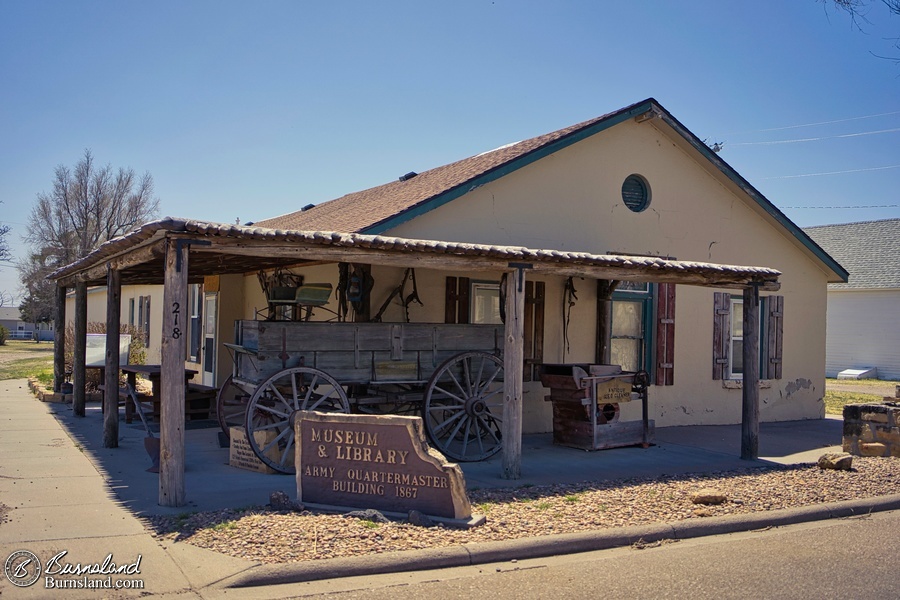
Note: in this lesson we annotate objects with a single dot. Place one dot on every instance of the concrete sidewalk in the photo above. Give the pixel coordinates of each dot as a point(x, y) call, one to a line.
point(59, 490)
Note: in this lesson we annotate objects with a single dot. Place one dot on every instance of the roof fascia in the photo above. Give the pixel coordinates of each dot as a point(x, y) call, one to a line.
point(755, 194)
point(507, 168)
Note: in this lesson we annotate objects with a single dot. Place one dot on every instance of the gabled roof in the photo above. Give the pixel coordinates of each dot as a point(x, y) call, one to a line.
point(10, 313)
point(870, 250)
point(379, 209)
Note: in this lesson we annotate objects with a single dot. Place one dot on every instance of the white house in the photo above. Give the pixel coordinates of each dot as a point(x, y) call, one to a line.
point(863, 328)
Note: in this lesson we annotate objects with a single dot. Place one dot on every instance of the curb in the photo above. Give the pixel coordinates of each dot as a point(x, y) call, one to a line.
point(551, 545)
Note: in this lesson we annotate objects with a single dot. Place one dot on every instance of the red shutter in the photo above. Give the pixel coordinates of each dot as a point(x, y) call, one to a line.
point(775, 326)
point(721, 333)
point(665, 333)
point(450, 300)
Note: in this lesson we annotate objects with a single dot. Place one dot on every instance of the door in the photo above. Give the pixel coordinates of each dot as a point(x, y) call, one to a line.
point(210, 313)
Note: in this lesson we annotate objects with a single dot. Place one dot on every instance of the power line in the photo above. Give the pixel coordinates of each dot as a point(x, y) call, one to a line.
point(833, 172)
point(887, 114)
point(816, 139)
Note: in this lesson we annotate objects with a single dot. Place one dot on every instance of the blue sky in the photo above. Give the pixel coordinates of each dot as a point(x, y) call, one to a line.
point(246, 110)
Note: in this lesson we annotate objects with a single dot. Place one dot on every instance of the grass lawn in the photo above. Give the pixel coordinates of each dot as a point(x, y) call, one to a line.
point(854, 391)
point(20, 359)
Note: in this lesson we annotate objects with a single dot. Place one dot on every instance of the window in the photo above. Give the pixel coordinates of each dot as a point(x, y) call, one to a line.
point(636, 193)
point(480, 302)
point(485, 299)
point(631, 326)
point(194, 300)
point(144, 318)
point(728, 337)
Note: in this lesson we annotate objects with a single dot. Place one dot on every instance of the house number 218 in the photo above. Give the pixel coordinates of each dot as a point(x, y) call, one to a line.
point(176, 331)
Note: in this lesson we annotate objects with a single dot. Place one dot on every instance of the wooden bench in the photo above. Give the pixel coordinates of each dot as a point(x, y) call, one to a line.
point(198, 400)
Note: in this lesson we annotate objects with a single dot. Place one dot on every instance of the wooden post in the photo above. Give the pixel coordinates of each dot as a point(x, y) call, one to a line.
point(79, 352)
point(59, 344)
point(513, 356)
point(171, 429)
point(111, 383)
point(750, 387)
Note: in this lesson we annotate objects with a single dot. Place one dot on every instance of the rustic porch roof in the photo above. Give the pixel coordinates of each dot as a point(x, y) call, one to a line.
point(218, 248)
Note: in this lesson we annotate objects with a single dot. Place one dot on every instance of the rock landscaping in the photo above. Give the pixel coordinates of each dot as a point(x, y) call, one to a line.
point(273, 536)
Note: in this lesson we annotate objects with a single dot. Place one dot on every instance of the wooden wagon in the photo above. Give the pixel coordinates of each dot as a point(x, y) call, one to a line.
point(452, 375)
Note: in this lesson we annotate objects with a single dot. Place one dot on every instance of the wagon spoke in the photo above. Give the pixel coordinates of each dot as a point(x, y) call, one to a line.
point(278, 395)
point(465, 440)
point(277, 439)
point(449, 421)
point(487, 427)
point(461, 401)
point(287, 450)
point(271, 410)
point(458, 384)
point(272, 425)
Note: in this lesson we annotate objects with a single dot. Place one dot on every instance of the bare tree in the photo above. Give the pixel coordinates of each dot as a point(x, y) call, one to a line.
point(5, 253)
point(88, 205)
point(858, 11)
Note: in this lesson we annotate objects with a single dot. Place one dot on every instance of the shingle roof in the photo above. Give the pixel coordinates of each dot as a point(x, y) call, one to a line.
point(377, 210)
point(869, 250)
point(361, 211)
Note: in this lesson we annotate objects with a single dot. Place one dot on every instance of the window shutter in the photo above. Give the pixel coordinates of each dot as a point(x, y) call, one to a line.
point(721, 333)
point(450, 300)
point(665, 334)
point(774, 334)
point(456, 300)
point(462, 300)
point(533, 338)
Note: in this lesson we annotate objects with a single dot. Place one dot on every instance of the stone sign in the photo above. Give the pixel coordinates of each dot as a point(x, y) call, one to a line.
point(241, 455)
point(375, 461)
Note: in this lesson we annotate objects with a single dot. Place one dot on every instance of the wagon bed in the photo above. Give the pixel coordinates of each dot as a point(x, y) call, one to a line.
point(451, 374)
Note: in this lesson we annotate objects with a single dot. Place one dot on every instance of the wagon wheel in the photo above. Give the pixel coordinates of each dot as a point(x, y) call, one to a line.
point(231, 405)
point(463, 408)
point(270, 412)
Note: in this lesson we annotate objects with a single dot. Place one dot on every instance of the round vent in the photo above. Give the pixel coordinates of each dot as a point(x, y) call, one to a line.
point(636, 193)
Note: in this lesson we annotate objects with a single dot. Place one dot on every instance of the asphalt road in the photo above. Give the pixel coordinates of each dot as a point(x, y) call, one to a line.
point(845, 558)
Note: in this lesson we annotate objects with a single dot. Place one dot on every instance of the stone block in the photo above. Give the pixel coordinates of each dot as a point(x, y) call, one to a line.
point(852, 412)
point(853, 428)
point(867, 434)
point(888, 436)
point(849, 445)
point(873, 449)
point(875, 417)
point(708, 496)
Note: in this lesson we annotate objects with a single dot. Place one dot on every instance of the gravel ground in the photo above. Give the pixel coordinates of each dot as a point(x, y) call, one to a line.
point(268, 536)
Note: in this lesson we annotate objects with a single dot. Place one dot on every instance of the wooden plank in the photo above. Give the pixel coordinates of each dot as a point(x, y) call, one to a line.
point(750, 387)
point(450, 300)
point(774, 339)
point(111, 395)
point(721, 334)
point(528, 336)
point(538, 354)
point(512, 376)
point(171, 430)
point(59, 346)
point(79, 352)
point(622, 433)
point(665, 336)
point(462, 300)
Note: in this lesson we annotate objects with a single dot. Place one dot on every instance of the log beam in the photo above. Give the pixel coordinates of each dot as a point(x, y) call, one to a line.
point(750, 386)
point(171, 431)
point(111, 382)
point(79, 352)
point(59, 344)
point(513, 357)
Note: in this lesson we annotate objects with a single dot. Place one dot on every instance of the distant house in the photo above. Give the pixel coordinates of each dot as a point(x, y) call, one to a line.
point(11, 318)
point(863, 314)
